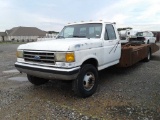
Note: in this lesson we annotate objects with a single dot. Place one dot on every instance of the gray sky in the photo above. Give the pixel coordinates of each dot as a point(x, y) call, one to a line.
point(54, 14)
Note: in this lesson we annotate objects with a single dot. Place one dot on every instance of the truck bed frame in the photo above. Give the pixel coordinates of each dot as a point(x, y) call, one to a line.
point(132, 54)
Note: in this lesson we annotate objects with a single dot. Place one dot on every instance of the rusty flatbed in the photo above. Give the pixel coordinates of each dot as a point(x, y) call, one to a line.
point(132, 54)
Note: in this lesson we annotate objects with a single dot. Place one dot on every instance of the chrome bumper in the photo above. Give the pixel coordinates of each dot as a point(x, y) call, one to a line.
point(48, 72)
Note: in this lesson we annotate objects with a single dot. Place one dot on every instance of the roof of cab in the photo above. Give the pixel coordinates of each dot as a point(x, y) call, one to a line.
point(102, 22)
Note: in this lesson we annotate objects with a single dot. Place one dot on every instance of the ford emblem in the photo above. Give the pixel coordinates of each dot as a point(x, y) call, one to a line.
point(37, 57)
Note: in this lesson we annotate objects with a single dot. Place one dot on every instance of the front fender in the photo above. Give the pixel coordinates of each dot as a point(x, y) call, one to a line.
point(89, 57)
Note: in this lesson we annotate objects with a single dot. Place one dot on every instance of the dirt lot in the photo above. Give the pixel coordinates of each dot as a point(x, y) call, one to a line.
point(131, 93)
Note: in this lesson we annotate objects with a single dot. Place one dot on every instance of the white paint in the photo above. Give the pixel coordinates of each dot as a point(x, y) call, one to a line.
point(67, 44)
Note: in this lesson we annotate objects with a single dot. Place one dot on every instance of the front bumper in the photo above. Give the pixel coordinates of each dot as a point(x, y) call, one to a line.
point(48, 72)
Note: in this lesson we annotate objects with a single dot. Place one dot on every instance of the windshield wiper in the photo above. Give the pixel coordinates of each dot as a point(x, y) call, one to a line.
point(78, 36)
point(60, 37)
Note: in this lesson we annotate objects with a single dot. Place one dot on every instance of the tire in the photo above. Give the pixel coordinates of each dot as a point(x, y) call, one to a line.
point(147, 59)
point(87, 81)
point(36, 81)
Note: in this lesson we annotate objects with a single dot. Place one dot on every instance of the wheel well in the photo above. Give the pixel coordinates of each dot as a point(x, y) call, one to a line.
point(92, 61)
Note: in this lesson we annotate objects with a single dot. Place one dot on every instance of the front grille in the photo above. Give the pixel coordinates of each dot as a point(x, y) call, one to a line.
point(42, 57)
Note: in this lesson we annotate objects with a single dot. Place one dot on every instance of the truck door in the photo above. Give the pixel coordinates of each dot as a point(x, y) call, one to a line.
point(112, 46)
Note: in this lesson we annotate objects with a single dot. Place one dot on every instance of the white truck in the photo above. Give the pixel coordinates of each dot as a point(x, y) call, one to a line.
point(128, 35)
point(77, 54)
point(147, 36)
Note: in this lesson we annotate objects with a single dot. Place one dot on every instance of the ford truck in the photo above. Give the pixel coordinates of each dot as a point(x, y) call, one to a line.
point(77, 54)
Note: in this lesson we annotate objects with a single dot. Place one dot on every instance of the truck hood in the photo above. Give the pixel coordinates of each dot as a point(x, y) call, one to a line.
point(67, 44)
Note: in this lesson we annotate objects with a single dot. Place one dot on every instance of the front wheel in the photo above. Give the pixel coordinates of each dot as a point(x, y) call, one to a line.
point(87, 81)
point(36, 81)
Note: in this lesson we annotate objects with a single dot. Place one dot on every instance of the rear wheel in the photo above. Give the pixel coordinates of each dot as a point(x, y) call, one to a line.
point(87, 81)
point(147, 59)
point(36, 81)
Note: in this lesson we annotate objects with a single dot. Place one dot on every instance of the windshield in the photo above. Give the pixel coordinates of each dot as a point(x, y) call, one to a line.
point(91, 30)
point(139, 33)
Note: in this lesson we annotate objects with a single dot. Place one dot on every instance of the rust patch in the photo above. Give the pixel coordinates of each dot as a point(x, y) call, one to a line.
point(133, 54)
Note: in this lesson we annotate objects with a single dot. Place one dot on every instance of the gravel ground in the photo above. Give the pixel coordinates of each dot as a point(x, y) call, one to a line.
point(132, 93)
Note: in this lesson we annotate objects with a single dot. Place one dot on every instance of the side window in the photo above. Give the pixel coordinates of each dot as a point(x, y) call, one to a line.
point(110, 33)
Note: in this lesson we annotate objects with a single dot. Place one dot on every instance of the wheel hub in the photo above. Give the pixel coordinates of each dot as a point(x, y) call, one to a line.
point(88, 81)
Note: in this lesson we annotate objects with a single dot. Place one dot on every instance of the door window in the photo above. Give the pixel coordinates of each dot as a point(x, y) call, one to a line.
point(110, 33)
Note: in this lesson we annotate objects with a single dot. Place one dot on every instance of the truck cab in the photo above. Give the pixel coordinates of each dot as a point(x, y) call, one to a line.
point(78, 53)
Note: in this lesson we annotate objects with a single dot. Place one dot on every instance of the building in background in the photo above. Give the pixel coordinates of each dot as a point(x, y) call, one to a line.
point(157, 35)
point(2, 36)
point(50, 35)
point(23, 34)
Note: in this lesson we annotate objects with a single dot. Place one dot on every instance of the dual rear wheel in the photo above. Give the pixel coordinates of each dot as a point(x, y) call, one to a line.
point(148, 57)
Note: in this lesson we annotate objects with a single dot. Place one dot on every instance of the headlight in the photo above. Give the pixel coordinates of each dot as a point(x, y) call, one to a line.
point(65, 57)
point(19, 53)
point(60, 57)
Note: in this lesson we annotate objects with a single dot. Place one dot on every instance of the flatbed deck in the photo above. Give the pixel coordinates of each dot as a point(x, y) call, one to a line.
point(132, 54)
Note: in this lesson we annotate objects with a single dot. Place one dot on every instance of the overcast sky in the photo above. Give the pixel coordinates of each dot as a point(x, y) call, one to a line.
point(54, 14)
